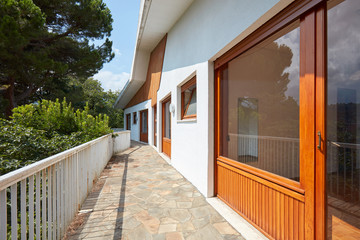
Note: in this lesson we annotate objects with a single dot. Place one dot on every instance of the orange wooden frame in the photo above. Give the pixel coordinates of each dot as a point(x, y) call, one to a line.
point(312, 186)
point(143, 135)
point(128, 121)
point(155, 125)
point(184, 108)
point(166, 142)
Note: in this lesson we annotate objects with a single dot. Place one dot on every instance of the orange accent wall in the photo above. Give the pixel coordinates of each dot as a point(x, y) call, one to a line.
point(149, 89)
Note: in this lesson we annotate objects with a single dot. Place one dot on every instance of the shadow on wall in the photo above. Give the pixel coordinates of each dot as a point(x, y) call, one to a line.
point(207, 27)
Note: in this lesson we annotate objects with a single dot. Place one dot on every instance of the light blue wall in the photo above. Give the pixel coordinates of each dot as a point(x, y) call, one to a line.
point(207, 26)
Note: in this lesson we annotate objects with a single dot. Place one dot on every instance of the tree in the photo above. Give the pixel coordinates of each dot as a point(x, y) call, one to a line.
point(101, 102)
point(45, 44)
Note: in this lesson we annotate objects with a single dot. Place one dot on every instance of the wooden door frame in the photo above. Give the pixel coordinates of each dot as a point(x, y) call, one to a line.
point(128, 121)
point(147, 123)
point(155, 125)
point(163, 102)
point(313, 57)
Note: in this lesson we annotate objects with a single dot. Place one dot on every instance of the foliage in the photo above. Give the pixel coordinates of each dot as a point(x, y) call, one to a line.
point(89, 91)
point(101, 102)
point(40, 130)
point(43, 45)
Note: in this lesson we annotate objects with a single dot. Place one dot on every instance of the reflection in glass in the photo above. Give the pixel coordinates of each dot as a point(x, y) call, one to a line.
point(144, 121)
point(248, 119)
point(343, 120)
point(190, 101)
point(167, 121)
point(155, 125)
point(259, 105)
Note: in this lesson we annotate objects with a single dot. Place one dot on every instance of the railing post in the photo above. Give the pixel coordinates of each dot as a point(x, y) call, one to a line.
point(14, 211)
point(77, 182)
point(3, 214)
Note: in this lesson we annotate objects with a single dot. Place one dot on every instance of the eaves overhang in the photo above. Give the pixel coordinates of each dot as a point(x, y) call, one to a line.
point(156, 18)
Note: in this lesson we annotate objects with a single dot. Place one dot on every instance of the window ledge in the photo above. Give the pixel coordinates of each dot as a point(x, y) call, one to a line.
point(187, 120)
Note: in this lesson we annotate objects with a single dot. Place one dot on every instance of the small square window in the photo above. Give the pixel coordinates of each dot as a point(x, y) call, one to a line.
point(188, 99)
point(134, 118)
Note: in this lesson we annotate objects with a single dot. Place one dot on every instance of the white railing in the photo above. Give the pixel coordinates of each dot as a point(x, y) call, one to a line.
point(279, 155)
point(40, 200)
point(343, 171)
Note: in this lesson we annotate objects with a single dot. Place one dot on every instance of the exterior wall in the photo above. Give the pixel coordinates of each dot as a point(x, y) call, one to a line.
point(135, 128)
point(206, 28)
point(150, 87)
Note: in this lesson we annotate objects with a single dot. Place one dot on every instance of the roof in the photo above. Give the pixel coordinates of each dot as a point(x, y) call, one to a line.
point(156, 18)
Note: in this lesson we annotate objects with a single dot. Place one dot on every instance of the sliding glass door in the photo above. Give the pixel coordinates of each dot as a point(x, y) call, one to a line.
point(343, 120)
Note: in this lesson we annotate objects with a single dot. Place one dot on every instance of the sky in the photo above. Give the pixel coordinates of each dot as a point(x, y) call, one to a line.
point(125, 13)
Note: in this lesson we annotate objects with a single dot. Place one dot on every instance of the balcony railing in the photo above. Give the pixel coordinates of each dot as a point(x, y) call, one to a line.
point(40, 200)
point(280, 155)
point(343, 171)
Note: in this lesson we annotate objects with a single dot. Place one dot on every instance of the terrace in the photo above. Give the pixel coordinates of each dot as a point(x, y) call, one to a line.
point(80, 194)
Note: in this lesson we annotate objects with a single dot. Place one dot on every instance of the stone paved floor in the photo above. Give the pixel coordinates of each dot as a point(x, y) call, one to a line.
point(139, 196)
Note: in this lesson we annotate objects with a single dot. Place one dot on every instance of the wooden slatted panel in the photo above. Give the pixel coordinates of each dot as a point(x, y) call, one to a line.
point(149, 89)
point(167, 146)
point(278, 213)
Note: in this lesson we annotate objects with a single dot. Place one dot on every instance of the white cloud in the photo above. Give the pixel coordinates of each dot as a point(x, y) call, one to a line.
point(116, 51)
point(110, 80)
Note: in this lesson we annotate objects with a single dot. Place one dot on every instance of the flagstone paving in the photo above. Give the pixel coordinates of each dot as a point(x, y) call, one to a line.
point(139, 196)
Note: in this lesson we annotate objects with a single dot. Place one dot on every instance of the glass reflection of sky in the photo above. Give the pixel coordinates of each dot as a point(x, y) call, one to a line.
point(343, 52)
point(292, 40)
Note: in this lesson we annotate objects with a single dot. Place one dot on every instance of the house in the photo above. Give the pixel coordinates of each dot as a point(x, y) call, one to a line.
point(256, 103)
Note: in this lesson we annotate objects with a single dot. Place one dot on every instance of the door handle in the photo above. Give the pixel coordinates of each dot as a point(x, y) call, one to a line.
point(319, 139)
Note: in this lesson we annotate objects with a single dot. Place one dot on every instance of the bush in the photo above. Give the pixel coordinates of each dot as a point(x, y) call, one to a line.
point(40, 130)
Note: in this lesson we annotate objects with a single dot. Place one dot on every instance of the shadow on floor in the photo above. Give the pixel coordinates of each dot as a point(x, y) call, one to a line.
point(89, 204)
point(120, 215)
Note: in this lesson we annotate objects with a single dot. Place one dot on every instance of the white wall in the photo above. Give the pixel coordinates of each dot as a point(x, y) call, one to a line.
point(205, 28)
point(190, 139)
point(135, 128)
point(121, 141)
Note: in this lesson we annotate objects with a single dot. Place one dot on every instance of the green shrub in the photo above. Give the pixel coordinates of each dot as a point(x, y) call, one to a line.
point(40, 130)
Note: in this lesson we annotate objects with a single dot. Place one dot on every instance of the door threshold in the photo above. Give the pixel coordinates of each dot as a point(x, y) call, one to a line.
point(247, 230)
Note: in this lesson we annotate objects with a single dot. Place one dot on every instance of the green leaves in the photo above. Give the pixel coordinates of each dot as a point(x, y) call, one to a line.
point(43, 44)
point(43, 129)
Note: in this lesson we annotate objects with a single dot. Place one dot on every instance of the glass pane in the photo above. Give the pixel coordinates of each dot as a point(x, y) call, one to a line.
point(190, 101)
point(343, 120)
point(167, 121)
point(155, 126)
point(128, 122)
point(192, 105)
point(260, 105)
point(144, 122)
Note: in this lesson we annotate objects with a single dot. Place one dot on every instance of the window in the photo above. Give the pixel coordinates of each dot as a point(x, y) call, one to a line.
point(260, 109)
point(128, 121)
point(188, 99)
point(134, 118)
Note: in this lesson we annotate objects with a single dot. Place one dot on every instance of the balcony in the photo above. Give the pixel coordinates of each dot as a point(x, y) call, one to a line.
point(138, 195)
